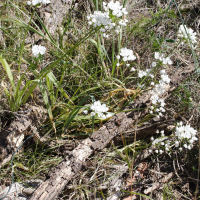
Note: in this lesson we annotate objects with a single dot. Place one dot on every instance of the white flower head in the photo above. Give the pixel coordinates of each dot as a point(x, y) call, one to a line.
point(38, 49)
point(132, 69)
point(35, 2)
point(100, 109)
point(127, 54)
point(153, 64)
point(185, 32)
point(85, 112)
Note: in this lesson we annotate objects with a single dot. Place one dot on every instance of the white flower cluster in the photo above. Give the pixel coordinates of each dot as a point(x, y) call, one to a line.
point(159, 89)
point(115, 8)
point(35, 2)
point(142, 73)
point(38, 49)
point(127, 55)
point(160, 143)
point(108, 20)
point(99, 109)
point(182, 33)
point(161, 57)
point(185, 134)
point(99, 18)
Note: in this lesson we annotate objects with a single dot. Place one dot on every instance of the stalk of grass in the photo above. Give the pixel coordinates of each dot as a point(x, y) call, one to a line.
point(22, 45)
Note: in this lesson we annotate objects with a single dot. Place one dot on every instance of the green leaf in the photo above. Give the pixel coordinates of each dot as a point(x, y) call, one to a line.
point(8, 71)
point(45, 98)
point(74, 112)
point(170, 40)
point(51, 77)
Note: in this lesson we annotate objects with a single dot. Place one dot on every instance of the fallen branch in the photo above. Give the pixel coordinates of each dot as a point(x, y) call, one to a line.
point(159, 183)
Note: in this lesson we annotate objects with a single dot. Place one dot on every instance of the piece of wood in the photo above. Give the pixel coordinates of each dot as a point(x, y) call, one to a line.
point(159, 183)
point(121, 122)
point(54, 14)
point(25, 124)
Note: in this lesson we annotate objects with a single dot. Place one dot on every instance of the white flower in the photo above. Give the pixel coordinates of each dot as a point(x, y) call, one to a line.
point(151, 112)
point(156, 151)
point(185, 145)
point(127, 54)
point(116, 8)
point(180, 149)
point(162, 133)
point(161, 151)
point(157, 55)
point(92, 114)
point(185, 132)
point(132, 69)
point(35, 2)
point(151, 75)
point(162, 103)
point(165, 78)
point(38, 49)
point(108, 115)
point(129, 65)
point(85, 112)
point(153, 64)
point(99, 109)
point(152, 138)
point(176, 143)
point(118, 57)
point(184, 32)
point(150, 150)
point(118, 64)
point(158, 140)
point(154, 98)
point(142, 73)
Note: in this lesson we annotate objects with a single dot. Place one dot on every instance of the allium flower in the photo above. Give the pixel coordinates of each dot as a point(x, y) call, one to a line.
point(123, 22)
point(160, 57)
point(127, 54)
point(176, 144)
point(85, 112)
point(106, 19)
point(38, 49)
point(152, 83)
point(153, 64)
point(35, 2)
point(99, 109)
point(142, 73)
point(182, 33)
point(99, 18)
point(132, 69)
point(115, 8)
point(186, 132)
point(158, 140)
point(161, 151)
